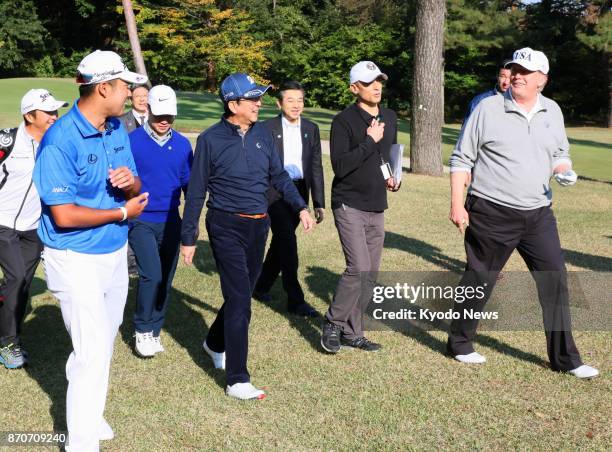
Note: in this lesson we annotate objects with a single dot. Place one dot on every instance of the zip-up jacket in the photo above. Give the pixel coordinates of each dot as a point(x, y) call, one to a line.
point(19, 201)
point(511, 158)
point(236, 171)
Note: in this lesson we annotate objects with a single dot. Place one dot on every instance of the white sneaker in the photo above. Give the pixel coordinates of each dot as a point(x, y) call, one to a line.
point(472, 358)
point(157, 345)
point(244, 391)
point(584, 371)
point(106, 432)
point(218, 358)
point(145, 344)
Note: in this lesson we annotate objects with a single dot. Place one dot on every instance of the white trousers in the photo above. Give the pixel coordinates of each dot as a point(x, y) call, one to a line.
point(91, 289)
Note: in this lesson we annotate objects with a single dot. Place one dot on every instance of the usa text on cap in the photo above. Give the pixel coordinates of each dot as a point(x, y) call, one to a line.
point(241, 86)
point(40, 99)
point(162, 100)
point(366, 71)
point(532, 60)
point(104, 65)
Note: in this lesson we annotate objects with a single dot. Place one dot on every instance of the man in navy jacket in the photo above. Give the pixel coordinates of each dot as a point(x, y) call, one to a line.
point(235, 162)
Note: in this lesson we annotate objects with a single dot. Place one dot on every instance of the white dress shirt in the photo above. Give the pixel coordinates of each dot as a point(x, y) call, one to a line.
point(292, 149)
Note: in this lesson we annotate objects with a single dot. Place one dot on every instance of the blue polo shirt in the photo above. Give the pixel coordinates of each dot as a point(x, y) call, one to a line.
point(72, 168)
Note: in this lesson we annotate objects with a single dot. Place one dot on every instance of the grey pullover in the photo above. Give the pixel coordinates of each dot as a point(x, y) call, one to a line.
point(512, 159)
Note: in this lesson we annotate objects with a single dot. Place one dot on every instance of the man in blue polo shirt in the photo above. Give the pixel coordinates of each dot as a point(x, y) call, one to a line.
point(236, 162)
point(84, 174)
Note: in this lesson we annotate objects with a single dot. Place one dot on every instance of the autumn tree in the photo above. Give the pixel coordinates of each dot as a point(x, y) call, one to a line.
point(193, 43)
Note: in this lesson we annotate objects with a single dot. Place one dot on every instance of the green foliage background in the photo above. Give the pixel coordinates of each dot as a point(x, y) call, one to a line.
point(193, 44)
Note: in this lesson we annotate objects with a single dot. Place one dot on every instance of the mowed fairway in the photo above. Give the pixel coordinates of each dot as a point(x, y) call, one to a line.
point(409, 396)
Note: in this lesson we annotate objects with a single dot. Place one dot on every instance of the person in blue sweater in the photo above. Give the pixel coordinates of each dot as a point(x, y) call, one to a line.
point(163, 159)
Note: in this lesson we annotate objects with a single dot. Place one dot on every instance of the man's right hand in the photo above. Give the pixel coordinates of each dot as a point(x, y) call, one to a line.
point(459, 216)
point(376, 130)
point(188, 251)
point(136, 205)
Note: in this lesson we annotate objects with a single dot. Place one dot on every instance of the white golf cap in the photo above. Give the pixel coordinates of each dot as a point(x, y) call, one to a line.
point(162, 100)
point(40, 99)
point(532, 60)
point(104, 65)
point(366, 71)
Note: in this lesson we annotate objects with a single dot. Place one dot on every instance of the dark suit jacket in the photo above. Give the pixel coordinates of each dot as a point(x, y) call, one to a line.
point(128, 121)
point(311, 160)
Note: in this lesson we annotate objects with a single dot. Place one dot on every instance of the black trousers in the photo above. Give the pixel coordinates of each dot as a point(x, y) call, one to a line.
point(494, 232)
point(19, 257)
point(238, 246)
point(282, 256)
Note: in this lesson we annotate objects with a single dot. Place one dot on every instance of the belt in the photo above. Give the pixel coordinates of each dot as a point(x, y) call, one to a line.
point(255, 216)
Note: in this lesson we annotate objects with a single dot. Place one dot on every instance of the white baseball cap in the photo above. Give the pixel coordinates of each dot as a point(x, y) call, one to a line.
point(366, 71)
point(104, 65)
point(162, 100)
point(532, 60)
point(40, 99)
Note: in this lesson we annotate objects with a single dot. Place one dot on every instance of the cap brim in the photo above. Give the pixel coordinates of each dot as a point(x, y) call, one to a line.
point(523, 63)
point(165, 110)
point(53, 106)
point(382, 75)
point(258, 91)
point(132, 77)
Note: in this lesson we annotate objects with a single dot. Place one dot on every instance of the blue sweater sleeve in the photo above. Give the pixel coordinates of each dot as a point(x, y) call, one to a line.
point(196, 192)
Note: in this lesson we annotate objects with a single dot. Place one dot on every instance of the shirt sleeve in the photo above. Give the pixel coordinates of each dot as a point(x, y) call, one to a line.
point(561, 154)
point(345, 159)
point(466, 150)
point(196, 192)
point(55, 176)
point(282, 183)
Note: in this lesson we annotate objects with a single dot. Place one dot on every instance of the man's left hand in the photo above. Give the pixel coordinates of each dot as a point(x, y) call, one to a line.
point(307, 220)
point(121, 178)
point(392, 186)
point(319, 214)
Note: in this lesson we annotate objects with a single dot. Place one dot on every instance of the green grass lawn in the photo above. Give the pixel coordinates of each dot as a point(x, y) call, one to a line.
point(591, 147)
point(410, 396)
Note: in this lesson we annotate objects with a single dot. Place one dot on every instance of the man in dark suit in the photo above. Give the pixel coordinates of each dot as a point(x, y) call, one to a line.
point(299, 144)
point(133, 119)
point(139, 113)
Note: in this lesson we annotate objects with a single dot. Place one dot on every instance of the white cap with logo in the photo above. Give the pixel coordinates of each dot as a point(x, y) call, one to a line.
point(532, 60)
point(366, 71)
point(162, 100)
point(104, 65)
point(40, 99)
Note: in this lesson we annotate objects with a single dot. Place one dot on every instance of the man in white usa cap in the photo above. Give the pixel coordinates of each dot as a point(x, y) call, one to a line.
point(20, 247)
point(514, 144)
point(87, 181)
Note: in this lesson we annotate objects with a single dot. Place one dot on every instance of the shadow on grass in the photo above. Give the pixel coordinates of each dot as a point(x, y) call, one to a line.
point(424, 250)
point(590, 179)
point(307, 327)
point(48, 345)
point(184, 321)
point(590, 261)
point(595, 144)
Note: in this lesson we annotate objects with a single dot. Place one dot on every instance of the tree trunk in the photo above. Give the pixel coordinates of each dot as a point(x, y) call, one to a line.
point(130, 23)
point(428, 89)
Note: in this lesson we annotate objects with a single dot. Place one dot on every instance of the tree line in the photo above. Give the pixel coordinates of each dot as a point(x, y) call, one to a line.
point(193, 44)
